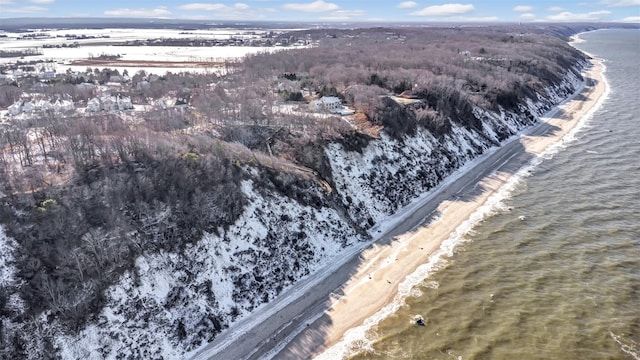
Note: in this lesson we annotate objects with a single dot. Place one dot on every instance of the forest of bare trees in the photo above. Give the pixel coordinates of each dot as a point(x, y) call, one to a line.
point(84, 194)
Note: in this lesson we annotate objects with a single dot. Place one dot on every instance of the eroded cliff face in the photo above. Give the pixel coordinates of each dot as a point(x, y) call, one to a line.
point(389, 173)
point(175, 302)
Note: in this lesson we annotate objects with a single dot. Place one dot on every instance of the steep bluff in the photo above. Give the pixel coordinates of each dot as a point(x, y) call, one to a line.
point(389, 173)
point(175, 301)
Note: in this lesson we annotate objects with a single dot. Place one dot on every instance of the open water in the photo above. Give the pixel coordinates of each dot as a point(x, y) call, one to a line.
point(556, 274)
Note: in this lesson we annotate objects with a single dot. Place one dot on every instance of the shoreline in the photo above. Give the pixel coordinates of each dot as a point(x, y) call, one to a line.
point(410, 257)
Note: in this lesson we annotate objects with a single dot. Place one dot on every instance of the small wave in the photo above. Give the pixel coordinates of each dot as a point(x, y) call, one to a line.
point(582, 124)
point(415, 292)
point(431, 284)
point(627, 346)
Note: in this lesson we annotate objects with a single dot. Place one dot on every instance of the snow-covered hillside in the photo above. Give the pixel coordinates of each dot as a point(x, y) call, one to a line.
point(389, 173)
point(173, 303)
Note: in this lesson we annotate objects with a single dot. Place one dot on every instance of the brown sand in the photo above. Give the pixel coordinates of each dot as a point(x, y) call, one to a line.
point(384, 267)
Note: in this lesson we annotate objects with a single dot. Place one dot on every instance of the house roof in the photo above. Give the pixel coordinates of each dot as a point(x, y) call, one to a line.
point(329, 100)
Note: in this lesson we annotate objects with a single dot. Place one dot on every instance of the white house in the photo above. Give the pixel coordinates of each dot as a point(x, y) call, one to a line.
point(28, 107)
point(63, 106)
point(94, 105)
point(124, 103)
point(85, 87)
point(39, 105)
point(15, 108)
point(47, 75)
point(326, 103)
point(109, 103)
point(330, 104)
point(42, 105)
point(164, 103)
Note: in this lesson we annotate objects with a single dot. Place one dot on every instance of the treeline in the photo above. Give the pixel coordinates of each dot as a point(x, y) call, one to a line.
point(451, 70)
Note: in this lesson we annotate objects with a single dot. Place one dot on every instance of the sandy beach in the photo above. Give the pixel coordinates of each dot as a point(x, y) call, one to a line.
point(383, 268)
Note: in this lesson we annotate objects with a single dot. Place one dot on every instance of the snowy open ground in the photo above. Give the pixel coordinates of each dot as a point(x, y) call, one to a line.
point(62, 57)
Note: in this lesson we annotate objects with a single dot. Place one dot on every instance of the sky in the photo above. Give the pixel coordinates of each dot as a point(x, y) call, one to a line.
point(334, 10)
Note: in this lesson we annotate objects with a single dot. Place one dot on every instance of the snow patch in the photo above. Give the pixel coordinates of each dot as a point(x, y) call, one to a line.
point(173, 303)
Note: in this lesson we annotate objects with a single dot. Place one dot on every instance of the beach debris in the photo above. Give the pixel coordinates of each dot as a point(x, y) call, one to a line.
point(419, 320)
point(521, 217)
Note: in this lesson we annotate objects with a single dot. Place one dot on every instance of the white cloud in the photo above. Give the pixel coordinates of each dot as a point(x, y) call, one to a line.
point(213, 7)
point(159, 12)
point(444, 10)
point(316, 6)
point(555, 9)
point(25, 10)
point(204, 7)
point(407, 5)
point(342, 15)
point(482, 19)
point(620, 3)
point(523, 8)
point(631, 19)
point(237, 11)
point(527, 16)
point(12, 2)
point(569, 16)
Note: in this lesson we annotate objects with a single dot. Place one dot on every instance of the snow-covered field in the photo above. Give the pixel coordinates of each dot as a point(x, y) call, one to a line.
point(132, 34)
point(62, 57)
